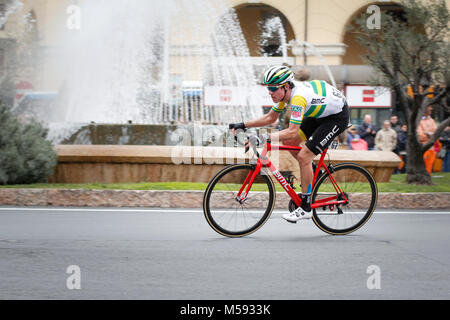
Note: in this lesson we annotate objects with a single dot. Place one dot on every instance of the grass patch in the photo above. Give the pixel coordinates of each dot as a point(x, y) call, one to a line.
point(441, 183)
point(117, 186)
point(397, 183)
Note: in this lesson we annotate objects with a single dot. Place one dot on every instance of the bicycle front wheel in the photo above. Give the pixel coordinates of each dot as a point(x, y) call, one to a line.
point(234, 216)
point(352, 184)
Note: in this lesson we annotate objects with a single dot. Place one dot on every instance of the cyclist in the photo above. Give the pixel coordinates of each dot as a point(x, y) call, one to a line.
point(319, 114)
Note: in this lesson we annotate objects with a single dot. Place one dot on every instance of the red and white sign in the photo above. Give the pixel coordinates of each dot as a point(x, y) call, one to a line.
point(22, 88)
point(236, 96)
point(225, 95)
point(367, 96)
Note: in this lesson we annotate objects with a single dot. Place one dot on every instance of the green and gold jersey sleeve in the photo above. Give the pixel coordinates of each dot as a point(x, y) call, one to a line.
point(298, 106)
point(279, 107)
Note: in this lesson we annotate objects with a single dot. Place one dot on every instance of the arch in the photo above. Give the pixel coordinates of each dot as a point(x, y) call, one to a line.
point(355, 50)
point(254, 19)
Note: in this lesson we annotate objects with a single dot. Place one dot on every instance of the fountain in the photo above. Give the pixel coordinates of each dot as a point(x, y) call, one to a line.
point(16, 46)
point(140, 69)
point(272, 34)
point(10, 8)
point(134, 75)
point(296, 48)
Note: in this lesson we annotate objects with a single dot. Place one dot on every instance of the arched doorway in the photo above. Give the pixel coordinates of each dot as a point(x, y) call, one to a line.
point(263, 27)
point(355, 51)
point(354, 57)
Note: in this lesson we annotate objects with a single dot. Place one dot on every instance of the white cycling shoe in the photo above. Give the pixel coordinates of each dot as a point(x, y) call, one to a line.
point(297, 214)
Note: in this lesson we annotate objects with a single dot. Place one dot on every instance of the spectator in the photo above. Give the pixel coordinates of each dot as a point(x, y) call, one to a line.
point(445, 151)
point(302, 74)
point(367, 131)
point(402, 139)
point(398, 128)
point(395, 124)
point(342, 139)
point(386, 138)
point(352, 133)
point(354, 141)
point(425, 131)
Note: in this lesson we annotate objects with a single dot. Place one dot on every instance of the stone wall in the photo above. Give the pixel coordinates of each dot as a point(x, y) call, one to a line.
point(183, 199)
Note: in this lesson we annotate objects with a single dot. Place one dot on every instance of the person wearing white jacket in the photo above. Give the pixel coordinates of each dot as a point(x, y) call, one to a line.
point(386, 138)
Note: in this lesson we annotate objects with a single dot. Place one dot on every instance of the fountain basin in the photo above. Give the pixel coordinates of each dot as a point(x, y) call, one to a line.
point(115, 164)
point(122, 134)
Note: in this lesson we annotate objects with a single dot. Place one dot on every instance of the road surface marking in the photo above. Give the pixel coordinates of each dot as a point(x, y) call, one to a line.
point(178, 210)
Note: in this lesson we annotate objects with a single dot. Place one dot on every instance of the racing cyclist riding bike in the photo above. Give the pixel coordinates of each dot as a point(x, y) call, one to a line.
point(319, 114)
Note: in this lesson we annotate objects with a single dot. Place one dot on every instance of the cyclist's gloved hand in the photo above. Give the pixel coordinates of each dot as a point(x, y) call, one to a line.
point(237, 126)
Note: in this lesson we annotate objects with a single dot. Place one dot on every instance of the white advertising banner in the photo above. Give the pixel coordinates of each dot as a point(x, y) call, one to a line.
point(262, 95)
point(368, 96)
point(236, 96)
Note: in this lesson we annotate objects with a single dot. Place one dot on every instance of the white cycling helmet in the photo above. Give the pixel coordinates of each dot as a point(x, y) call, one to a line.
point(278, 75)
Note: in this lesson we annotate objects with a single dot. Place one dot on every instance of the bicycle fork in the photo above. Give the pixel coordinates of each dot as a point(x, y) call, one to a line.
point(248, 182)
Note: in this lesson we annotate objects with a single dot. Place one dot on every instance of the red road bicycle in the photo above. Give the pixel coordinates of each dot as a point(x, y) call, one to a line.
point(241, 197)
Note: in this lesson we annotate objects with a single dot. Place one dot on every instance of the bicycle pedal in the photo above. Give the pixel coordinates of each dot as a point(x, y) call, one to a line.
point(294, 222)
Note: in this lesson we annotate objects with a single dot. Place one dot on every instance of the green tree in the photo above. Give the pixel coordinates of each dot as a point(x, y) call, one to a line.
point(412, 50)
point(25, 154)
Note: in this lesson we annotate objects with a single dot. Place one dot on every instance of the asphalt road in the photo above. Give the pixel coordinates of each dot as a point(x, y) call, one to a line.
point(174, 254)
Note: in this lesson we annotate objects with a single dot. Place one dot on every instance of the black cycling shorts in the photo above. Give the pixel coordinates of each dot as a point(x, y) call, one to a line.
point(320, 132)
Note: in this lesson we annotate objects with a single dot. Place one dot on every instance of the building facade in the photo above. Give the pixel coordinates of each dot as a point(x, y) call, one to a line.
point(301, 33)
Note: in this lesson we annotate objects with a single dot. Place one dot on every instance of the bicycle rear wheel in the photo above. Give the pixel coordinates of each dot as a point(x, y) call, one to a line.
point(229, 215)
point(357, 185)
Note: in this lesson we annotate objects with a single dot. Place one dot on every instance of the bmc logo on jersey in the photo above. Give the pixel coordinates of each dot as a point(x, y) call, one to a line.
point(318, 101)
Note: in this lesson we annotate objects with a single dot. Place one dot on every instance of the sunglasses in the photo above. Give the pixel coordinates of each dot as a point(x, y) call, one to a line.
point(273, 89)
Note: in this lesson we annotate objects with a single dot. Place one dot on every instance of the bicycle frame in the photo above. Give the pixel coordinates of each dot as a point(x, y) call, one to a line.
point(263, 160)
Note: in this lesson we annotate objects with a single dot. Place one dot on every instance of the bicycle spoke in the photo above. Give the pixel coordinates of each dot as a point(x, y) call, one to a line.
point(235, 217)
point(357, 186)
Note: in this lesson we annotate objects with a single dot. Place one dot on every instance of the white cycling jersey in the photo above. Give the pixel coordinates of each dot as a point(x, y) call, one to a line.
point(316, 99)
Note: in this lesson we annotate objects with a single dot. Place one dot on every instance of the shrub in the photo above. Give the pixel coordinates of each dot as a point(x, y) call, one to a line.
point(25, 154)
